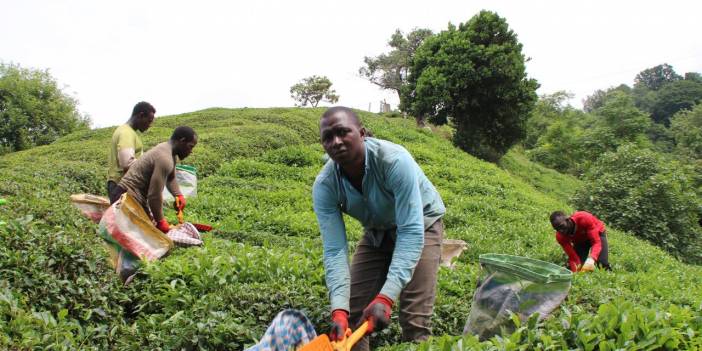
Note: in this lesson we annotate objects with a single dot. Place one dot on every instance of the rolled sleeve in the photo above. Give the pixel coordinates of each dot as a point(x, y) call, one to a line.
point(333, 230)
point(409, 217)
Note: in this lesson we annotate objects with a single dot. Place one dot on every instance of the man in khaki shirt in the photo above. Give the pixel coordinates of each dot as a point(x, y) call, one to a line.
point(126, 145)
point(146, 177)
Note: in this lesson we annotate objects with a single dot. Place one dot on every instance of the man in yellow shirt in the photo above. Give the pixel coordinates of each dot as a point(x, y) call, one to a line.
point(126, 146)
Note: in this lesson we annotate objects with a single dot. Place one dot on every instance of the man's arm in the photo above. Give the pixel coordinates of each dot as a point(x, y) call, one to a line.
point(172, 184)
point(573, 258)
point(156, 184)
point(593, 234)
point(409, 218)
point(333, 230)
point(125, 157)
point(126, 150)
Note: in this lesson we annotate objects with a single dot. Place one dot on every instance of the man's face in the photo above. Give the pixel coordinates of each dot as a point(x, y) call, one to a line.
point(145, 121)
point(342, 138)
point(562, 225)
point(185, 148)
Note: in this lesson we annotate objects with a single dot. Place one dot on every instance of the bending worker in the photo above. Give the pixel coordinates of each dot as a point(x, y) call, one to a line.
point(147, 176)
point(126, 146)
point(583, 238)
point(379, 184)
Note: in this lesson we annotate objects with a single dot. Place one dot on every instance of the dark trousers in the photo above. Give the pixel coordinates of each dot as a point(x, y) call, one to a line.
point(369, 269)
point(114, 191)
point(583, 251)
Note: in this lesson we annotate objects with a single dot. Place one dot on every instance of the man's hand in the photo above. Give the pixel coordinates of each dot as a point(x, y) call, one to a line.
point(589, 265)
point(163, 225)
point(574, 266)
point(179, 203)
point(340, 322)
point(377, 313)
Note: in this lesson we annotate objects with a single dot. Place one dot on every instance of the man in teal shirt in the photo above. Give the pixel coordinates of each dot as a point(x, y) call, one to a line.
point(379, 184)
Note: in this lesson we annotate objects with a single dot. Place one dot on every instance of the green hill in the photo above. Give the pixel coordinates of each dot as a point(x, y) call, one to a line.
point(256, 168)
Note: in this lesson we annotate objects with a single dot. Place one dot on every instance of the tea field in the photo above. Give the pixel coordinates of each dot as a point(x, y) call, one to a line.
point(256, 168)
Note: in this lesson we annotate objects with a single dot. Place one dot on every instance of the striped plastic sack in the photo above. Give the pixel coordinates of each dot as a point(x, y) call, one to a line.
point(186, 177)
point(91, 206)
point(130, 236)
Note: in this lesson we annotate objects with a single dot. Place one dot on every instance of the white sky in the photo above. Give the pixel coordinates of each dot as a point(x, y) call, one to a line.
point(184, 56)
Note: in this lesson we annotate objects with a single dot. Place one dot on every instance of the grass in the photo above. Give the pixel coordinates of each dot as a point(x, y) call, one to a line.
point(256, 168)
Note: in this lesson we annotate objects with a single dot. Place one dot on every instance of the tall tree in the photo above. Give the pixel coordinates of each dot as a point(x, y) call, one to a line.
point(673, 97)
point(312, 90)
point(475, 75)
point(686, 128)
point(655, 77)
point(389, 71)
point(33, 109)
point(599, 97)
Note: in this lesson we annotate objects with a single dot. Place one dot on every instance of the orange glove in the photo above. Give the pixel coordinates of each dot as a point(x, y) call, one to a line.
point(588, 266)
point(179, 203)
point(340, 322)
point(378, 313)
point(163, 225)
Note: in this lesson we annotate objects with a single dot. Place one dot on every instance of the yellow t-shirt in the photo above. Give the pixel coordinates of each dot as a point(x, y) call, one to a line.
point(123, 137)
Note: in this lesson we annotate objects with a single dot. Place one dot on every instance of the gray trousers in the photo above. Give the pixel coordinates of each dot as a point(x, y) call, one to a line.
point(369, 269)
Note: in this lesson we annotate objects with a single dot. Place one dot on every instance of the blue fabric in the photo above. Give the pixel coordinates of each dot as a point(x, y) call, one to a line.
point(289, 329)
point(397, 199)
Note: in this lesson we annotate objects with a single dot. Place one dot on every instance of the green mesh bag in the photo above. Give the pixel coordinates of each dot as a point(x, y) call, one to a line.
point(520, 285)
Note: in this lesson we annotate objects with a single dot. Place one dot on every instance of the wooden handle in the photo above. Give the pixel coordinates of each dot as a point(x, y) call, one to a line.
point(347, 344)
point(357, 335)
point(180, 211)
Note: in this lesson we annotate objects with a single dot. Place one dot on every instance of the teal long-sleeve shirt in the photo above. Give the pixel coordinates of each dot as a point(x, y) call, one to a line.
point(396, 196)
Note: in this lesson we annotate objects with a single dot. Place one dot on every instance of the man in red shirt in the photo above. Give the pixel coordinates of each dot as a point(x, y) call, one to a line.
point(583, 239)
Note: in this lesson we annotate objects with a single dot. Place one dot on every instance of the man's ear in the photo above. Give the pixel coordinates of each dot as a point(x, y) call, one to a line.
point(363, 132)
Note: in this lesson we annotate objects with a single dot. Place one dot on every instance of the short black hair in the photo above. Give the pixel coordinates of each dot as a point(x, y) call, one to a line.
point(183, 132)
point(556, 215)
point(332, 110)
point(142, 107)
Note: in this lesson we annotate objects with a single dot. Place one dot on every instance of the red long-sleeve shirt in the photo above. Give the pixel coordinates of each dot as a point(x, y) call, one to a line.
point(587, 228)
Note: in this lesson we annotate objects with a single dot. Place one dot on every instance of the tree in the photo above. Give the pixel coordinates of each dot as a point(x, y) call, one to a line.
point(389, 71)
point(33, 109)
point(475, 75)
point(312, 90)
point(686, 128)
point(673, 97)
point(599, 97)
point(654, 78)
point(549, 109)
point(627, 123)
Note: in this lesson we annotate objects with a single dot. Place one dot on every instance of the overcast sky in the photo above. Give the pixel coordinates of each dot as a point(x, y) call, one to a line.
point(185, 56)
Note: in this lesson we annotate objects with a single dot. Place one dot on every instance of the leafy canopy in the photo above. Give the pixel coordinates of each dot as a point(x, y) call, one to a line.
point(33, 109)
point(390, 70)
point(655, 77)
point(312, 90)
point(475, 75)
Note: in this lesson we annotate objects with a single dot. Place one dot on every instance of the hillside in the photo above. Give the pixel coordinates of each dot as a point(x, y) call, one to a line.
point(256, 168)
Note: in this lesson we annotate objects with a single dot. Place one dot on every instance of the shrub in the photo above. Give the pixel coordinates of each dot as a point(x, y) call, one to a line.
point(635, 190)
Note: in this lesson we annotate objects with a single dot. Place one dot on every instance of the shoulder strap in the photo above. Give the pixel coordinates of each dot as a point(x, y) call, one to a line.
point(341, 194)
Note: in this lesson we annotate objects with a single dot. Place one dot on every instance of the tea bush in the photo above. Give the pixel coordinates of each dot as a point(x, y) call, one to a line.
point(255, 169)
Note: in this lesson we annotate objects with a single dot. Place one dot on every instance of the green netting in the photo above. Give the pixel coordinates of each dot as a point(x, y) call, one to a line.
point(513, 284)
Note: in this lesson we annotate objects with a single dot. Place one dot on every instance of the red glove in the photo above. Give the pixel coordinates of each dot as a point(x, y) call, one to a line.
point(163, 225)
point(378, 313)
point(340, 322)
point(179, 203)
point(574, 265)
